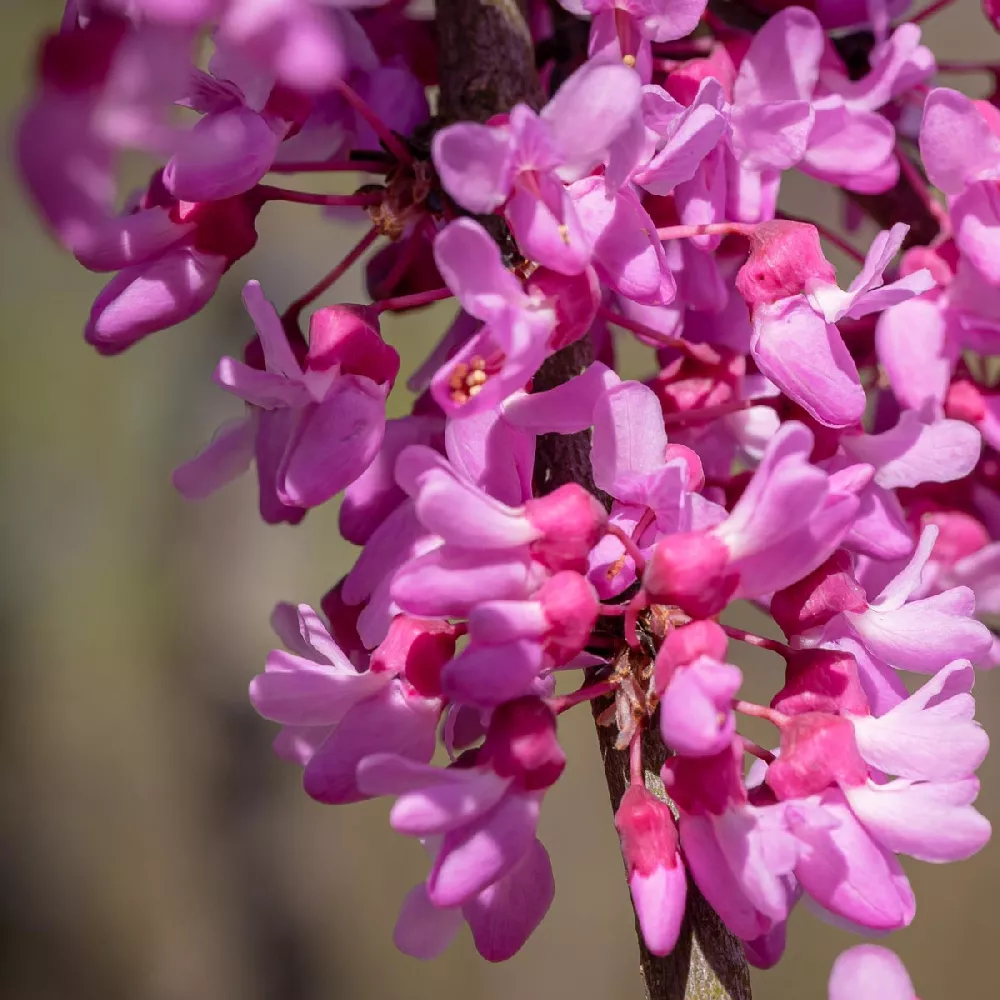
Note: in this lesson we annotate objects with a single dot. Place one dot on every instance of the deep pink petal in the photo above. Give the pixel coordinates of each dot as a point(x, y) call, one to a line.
point(477, 855)
point(504, 915)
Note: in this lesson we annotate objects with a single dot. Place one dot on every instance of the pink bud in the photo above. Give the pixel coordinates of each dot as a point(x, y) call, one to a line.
point(964, 402)
point(575, 297)
point(686, 644)
point(570, 605)
point(821, 680)
point(700, 785)
point(815, 599)
point(521, 743)
point(784, 258)
point(571, 522)
point(417, 648)
point(691, 570)
point(655, 874)
point(817, 750)
point(683, 83)
point(348, 335)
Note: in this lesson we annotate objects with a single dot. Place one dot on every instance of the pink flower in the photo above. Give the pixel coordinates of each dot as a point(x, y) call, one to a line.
point(486, 814)
point(334, 714)
point(796, 306)
point(789, 519)
point(331, 407)
point(961, 151)
point(524, 163)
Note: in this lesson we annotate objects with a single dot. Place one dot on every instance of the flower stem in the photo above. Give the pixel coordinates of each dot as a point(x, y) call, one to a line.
point(930, 11)
point(270, 193)
point(293, 312)
point(329, 166)
point(389, 139)
point(631, 549)
point(707, 229)
point(757, 640)
point(759, 712)
point(401, 302)
point(635, 758)
point(586, 693)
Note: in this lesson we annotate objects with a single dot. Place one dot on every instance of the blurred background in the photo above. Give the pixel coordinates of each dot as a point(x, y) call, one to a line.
point(151, 848)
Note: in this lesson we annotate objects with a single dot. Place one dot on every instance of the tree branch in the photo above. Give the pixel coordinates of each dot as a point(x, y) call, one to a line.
point(488, 66)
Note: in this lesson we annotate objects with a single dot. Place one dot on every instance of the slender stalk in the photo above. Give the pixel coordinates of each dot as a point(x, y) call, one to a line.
point(389, 139)
point(329, 166)
point(707, 229)
point(293, 312)
point(400, 302)
point(757, 640)
point(930, 11)
point(587, 693)
point(268, 192)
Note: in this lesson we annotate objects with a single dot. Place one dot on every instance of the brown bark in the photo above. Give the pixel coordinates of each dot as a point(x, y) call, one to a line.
point(487, 66)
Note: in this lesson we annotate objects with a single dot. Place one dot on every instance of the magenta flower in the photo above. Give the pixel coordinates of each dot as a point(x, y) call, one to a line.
point(961, 150)
point(525, 163)
point(486, 814)
point(624, 29)
point(318, 424)
point(334, 714)
point(796, 343)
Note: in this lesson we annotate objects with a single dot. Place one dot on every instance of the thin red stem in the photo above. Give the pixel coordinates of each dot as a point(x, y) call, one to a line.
point(756, 750)
point(635, 758)
point(293, 312)
point(651, 335)
point(648, 517)
point(759, 712)
point(631, 549)
point(752, 639)
point(708, 229)
point(270, 193)
point(587, 693)
point(831, 237)
point(329, 166)
point(389, 139)
point(972, 67)
point(919, 184)
point(930, 11)
point(400, 302)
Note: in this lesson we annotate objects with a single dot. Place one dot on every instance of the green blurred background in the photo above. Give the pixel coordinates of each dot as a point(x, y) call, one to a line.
point(150, 846)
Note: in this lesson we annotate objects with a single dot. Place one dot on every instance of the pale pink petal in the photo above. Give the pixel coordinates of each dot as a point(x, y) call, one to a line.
point(659, 899)
point(227, 456)
point(424, 930)
point(956, 143)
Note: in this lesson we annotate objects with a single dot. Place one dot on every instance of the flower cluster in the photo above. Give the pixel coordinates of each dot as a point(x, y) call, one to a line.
point(830, 453)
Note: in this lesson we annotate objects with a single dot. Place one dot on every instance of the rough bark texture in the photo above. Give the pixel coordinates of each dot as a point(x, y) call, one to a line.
point(487, 66)
point(708, 962)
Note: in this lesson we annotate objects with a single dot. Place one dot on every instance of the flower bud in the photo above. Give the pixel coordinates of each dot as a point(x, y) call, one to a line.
point(818, 597)
point(521, 743)
point(417, 648)
point(784, 258)
point(570, 606)
point(571, 522)
point(817, 750)
point(690, 570)
point(656, 876)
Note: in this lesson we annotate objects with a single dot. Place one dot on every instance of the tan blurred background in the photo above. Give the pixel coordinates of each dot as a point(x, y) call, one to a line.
point(150, 846)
